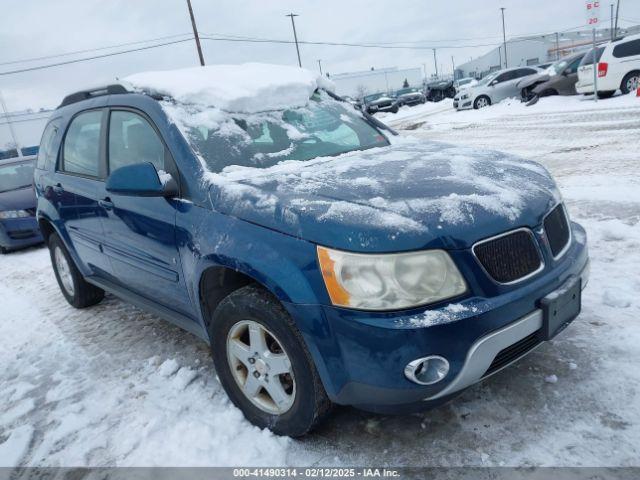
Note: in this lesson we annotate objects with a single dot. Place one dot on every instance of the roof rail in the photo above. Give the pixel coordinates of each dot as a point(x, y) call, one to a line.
point(94, 92)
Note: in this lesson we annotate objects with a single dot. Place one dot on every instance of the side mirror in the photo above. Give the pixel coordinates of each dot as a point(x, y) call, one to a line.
point(493, 83)
point(141, 180)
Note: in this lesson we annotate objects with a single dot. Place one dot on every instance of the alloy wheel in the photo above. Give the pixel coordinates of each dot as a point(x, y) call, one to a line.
point(64, 271)
point(261, 367)
point(633, 83)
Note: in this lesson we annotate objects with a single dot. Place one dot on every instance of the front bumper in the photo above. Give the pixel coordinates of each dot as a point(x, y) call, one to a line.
point(361, 356)
point(16, 233)
point(462, 104)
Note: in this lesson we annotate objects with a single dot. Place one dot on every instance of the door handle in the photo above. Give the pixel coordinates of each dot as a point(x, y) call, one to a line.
point(57, 189)
point(106, 203)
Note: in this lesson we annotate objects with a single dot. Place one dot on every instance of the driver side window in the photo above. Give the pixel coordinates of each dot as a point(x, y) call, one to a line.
point(133, 140)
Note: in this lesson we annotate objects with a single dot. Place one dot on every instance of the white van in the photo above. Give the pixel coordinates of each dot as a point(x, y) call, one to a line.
point(618, 68)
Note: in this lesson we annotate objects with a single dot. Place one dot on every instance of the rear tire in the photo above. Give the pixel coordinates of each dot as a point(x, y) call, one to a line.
point(252, 311)
point(77, 291)
point(630, 83)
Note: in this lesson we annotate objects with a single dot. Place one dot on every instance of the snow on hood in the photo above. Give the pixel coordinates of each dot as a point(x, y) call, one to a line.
point(414, 193)
point(247, 88)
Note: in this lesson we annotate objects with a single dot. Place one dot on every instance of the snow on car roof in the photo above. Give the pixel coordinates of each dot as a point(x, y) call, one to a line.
point(246, 88)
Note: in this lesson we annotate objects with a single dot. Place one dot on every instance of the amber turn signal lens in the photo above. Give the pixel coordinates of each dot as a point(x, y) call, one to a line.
point(338, 295)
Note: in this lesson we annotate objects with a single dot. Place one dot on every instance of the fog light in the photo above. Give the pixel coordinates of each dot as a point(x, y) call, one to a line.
point(427, 370)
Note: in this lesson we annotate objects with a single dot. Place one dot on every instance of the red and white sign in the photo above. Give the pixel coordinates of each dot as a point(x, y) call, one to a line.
point(593, 12)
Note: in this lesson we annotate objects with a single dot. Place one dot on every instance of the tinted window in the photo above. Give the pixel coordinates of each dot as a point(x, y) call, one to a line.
point(16, 175)
point(46, 145)
point(81, 153)
point(506, 76)
point(627, 49)
point(588, 58)
point(573, 67)
point(133, 140)
point(523, 72)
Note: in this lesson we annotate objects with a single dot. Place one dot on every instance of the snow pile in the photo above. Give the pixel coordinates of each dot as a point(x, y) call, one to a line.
point(249, 88)
point(451, 313)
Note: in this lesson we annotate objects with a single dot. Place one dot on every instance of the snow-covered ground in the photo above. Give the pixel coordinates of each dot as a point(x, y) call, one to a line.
point(112, 385)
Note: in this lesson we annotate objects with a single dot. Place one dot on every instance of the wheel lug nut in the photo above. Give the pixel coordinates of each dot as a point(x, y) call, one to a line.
point(256, 374)
point(252, 360)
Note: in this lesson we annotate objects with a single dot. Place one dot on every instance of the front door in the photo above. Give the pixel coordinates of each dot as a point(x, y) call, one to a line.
point(140, 232)
point(78, 187)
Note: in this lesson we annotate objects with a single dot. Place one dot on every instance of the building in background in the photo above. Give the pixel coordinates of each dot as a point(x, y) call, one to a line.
point(358, 84)
point(536, 50)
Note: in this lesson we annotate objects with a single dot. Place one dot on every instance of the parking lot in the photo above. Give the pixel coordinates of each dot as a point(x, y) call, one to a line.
point(112, 385)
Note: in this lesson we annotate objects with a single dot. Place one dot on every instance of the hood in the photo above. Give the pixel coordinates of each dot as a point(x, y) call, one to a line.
point(533, 79)
point(407, 196)
point(21, 199)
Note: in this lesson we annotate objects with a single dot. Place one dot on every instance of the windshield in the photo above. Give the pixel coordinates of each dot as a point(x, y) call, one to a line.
point(16, 175)
point(325, 127)
point(558, 67)
point(404, 91)
point(488, 78)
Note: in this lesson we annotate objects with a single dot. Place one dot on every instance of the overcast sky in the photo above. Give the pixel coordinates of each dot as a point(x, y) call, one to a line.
point(34, 28)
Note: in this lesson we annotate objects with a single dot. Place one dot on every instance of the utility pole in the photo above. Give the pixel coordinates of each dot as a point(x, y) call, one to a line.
point(195, 33)
point(11, 131)
point(557, 46)
point(320, 66)
point(435, 61)
point(611, 30)
point(615, 28)
point(295, 36)
point(504, 39)
point(453, 63)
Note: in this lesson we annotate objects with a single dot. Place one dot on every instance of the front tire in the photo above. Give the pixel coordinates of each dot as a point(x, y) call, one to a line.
point(481, 102)
point(264, 365)
point(75, 289)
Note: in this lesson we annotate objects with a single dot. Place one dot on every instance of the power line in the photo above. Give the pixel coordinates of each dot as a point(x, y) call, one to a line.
point(87, 50)
point(85, 59)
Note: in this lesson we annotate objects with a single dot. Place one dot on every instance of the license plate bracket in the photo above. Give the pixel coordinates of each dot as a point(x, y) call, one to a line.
point(560, 307)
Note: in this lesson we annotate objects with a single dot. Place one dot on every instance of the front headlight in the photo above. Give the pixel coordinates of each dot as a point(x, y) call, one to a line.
point(14, 214)
point(389, 281)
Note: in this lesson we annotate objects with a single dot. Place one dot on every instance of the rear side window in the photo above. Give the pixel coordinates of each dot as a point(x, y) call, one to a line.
point(46, 151)
point(132, 140)
point(523, 72)
point(81, 153)
point(506, 76)
point(627, 49)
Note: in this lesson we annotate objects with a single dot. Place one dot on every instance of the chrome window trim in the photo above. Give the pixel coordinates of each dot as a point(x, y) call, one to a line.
point(566, 216)
point(495, 237)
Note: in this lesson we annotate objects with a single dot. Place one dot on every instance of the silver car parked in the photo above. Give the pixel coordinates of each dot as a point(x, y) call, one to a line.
point(493, 88)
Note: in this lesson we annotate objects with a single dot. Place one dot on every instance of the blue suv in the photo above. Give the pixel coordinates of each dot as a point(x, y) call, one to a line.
point(325, 260)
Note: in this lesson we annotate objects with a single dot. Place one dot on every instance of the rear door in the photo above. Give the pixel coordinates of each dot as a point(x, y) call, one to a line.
point(626, 58)
point(78, 186)
point(504, 87)
point(140, 232)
